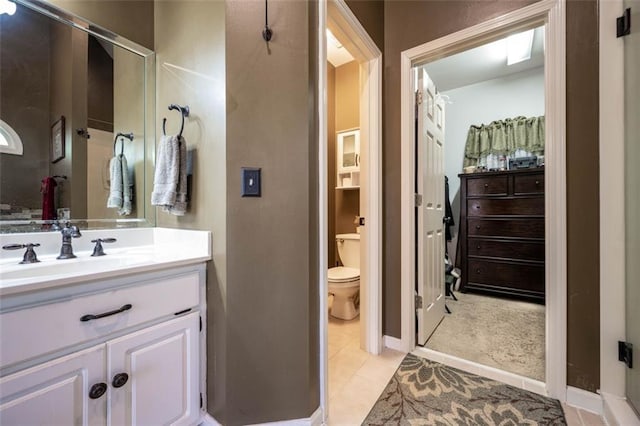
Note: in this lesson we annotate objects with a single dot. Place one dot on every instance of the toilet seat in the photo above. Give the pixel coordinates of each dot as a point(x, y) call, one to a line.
point(343, 274)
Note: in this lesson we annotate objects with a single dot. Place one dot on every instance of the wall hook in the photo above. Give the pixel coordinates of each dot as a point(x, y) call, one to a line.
point(267, 33)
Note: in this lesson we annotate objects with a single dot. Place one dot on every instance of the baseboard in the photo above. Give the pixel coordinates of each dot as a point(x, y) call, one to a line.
point(314, 420)
point(584, 400)
point(207, 420)
point(512, 379)
point(618, 412)
point(392, 343)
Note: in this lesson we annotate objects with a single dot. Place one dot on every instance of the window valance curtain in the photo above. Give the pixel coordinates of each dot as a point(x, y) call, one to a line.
point(504, 137)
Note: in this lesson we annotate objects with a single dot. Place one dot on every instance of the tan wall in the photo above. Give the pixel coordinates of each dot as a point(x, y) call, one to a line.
point(272, 257)
point(132, 19)
point(431, 20)
point(331, 165)
point(347, 93)
point(191, 71)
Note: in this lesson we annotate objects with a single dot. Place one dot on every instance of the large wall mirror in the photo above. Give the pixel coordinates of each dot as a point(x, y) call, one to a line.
point(67, 90)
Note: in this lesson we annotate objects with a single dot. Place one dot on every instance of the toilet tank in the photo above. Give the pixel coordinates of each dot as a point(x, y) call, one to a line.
point(349, 249)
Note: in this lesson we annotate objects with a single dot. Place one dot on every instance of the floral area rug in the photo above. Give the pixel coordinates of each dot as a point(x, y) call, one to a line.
point(423, 392)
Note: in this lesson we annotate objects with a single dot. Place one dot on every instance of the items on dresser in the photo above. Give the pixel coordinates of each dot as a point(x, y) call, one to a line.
point(502, 233)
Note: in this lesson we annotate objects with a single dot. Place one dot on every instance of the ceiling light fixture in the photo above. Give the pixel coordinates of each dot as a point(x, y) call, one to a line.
point(7, 7)
point(519, 47)
point(331, 38)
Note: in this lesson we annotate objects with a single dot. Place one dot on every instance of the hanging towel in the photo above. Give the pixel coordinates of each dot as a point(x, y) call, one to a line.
point(120, 190)
point(48, 198)
point(170, 177)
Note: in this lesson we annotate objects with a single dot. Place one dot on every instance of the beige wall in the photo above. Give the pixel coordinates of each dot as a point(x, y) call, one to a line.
point(272, 241)
point(347, 116)
point(191, 71)
point(331, 165)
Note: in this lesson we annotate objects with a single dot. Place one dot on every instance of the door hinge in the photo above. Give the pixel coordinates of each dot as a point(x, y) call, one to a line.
point(360, 221)
point(200, 323)
point(419, 97)
point(625, 353)
point(200, 399)
point(418, 302)
point(623, 23)
point(417, 199)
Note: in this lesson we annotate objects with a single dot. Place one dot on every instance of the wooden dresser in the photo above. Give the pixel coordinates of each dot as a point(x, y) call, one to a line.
point(502, 233)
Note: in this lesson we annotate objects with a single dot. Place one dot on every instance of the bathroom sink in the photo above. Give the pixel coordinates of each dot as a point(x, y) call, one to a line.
point(51, 268)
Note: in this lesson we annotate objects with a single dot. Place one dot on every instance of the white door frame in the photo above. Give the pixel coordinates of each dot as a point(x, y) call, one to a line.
point(551, 13)
point(346, 27)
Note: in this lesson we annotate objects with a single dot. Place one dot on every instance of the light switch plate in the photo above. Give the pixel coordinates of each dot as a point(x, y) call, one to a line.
point(251, 182)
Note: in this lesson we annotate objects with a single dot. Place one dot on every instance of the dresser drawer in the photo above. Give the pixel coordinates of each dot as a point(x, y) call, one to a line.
point(506, 249)
point(510, 275)
point(521, 228)
point(505, 207)
point(496, 185)
point(38, 330)
point(528, 184)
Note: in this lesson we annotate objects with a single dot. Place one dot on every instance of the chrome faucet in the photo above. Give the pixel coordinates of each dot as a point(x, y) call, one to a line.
point(69, 231)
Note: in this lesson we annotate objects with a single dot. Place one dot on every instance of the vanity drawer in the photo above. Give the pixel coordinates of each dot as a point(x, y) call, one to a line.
point(505, 207)
point(38, 330)
point(528, 184)
point(496, 185)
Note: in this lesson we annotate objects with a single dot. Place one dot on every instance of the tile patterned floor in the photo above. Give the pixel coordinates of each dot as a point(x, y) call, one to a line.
point(357, 378)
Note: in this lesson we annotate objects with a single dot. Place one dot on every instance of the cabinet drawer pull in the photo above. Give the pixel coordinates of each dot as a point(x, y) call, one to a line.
point(90, 317)
point(478, 247)
point(486, 185)
point(119, 380)
point(97, 390)
point(537, 182)
point(478, 271)
point(477, 226)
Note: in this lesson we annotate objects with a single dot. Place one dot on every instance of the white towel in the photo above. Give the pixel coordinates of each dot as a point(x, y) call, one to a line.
point(170, 177)
point(120, 190)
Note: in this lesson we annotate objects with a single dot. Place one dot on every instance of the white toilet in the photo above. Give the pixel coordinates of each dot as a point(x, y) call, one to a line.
point(344, 281)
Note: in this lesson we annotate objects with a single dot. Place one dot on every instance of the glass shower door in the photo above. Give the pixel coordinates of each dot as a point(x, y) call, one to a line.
point(632, 196)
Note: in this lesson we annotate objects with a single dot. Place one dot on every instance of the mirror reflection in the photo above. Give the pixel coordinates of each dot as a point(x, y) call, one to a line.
point(72, 129)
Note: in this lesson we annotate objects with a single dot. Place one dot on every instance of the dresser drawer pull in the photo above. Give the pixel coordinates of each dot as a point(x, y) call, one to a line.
point(477, 226)
point(478, 271)
point(486, 185)
point(90, 317)
point(478, 247)
point(537, 182)
point(97, 390)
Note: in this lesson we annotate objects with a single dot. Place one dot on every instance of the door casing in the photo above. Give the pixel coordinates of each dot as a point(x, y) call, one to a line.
point(551, 13)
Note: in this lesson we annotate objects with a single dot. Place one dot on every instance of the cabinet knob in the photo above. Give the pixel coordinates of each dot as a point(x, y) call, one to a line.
point(477, 226)
point(537, 182)
point(478, 271)
point(486, 185)
point(119, 380)
point(97, 390)
point(478, 246)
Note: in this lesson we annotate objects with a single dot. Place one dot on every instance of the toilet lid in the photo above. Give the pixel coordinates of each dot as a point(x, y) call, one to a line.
point(343, 274)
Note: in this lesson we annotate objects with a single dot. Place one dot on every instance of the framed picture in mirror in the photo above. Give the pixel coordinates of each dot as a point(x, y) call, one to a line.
point(57, 140)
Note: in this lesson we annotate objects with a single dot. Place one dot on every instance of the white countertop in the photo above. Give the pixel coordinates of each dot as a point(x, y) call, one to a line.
point(136, 250)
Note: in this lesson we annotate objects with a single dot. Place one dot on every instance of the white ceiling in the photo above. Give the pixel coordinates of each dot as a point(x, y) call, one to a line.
point(336, 53)
point(482, 63)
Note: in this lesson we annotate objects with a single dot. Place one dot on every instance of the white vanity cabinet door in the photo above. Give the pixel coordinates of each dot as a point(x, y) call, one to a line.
point(56, 392)
point(162, 364)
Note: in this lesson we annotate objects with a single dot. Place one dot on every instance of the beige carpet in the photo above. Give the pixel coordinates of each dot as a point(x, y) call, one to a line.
point(500, 333)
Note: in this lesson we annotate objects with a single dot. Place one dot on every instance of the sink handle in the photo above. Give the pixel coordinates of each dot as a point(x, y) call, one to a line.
point(29, 255)
point(90, 317)
point(98, 250)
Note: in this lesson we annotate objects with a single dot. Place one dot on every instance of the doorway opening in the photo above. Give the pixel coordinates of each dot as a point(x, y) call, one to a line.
point(480, 173)
point(548, 14)
point(352, 175)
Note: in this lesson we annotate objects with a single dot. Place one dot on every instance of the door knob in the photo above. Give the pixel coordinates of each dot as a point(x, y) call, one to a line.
point(120, 380)
point(97, 390)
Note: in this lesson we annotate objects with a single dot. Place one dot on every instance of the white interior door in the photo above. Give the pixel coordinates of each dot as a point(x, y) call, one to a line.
point(430, 183)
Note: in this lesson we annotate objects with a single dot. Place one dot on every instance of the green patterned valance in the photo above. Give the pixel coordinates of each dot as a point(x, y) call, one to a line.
point(504, 137)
